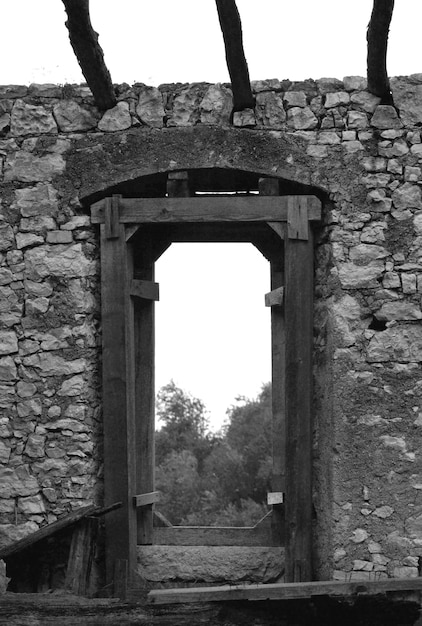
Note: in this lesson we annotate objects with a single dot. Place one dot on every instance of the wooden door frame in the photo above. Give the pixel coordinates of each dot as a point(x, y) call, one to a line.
point(128, 353)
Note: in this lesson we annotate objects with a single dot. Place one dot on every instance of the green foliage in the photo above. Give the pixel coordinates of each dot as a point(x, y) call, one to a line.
point(210, 479)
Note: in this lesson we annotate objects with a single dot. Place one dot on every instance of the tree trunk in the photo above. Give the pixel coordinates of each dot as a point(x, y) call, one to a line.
point(377, 38)
point(89, 53)
point(236, 62)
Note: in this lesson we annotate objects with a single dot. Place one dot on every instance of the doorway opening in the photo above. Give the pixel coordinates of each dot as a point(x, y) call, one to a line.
point(213, 440)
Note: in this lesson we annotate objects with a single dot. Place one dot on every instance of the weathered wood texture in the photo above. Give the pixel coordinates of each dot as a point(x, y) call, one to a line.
point(377, 38)
point(281, 591)
point(84, 41)
point(82, 550)
point(205, 209)
point(145, 499)
point(58, 609)
point(145, 289)
point(231, 28)
point(48, 531)
point(118, 400)
point(144, 390)
point(275, 299)
point(298, 367)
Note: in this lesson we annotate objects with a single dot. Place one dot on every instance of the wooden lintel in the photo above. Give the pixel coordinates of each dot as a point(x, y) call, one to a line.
point(145, 289)
point(206, 209)
point(297, 220)
point(111, 217)
point(144, 499)
point(283, 591)
point(275, 497)
point(275, 297)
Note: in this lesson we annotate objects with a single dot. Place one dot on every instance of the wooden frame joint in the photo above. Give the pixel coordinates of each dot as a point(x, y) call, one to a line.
point(145, 289)
point(297, 221)
point(145, 499)
point(275, 297)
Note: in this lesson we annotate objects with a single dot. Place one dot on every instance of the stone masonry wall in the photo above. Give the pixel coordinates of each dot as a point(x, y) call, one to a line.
point(331, 137)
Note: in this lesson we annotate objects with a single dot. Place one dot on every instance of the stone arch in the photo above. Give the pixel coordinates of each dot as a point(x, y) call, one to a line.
point(135, 162)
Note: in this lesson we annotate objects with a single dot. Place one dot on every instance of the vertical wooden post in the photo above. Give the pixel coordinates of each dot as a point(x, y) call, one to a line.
point(299, 327)
point(118, 405)
point(144, 318)
point(270, 187)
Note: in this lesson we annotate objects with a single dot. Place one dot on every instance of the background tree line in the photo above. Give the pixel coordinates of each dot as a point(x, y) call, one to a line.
point(211, 478)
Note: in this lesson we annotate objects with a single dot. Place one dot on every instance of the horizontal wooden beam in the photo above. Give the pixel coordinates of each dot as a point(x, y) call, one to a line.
point(145, 289)
point(283, 591)
point(206, 209)
point(213, 536)
point(275, 297)
point(145, 499)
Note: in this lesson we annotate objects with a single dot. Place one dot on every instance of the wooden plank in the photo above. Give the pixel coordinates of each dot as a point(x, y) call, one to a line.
point(282, 591)
point(299, 326)
point(205, 209)
point(118, 401)
point(270, 187)
point(111, 217)
point(81, 555)
point(144, 323)
point(48, 531)
point(275, 297)
point(121, 578)
point(145, 289)
point(297, 218)
point(147, 498)
point(260, 535)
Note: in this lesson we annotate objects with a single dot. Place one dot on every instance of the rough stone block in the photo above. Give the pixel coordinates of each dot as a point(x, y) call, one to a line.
point(28, 119)
point(269, 109)
point(398, 343)
point(117, 118)
point(408, 99)
point(216, 106)
point(301, 119)
point(210, 563)
point(150, 107)
point(59, 236)
point(71, 117)
point(28, 168)
point(386, 117)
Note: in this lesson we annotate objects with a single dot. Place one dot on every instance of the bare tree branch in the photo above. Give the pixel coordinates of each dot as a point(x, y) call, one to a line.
point(89, 53)
point(236, 62)
point(377, 38)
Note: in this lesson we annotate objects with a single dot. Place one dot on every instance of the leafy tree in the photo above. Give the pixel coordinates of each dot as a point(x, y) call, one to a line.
point(178, 480)
point(213, 480)
point(185, 424)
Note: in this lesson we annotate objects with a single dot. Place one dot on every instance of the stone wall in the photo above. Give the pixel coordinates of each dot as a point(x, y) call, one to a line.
point(330, 137)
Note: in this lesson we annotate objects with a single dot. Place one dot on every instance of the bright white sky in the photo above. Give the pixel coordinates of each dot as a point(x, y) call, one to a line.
point(212, 327)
